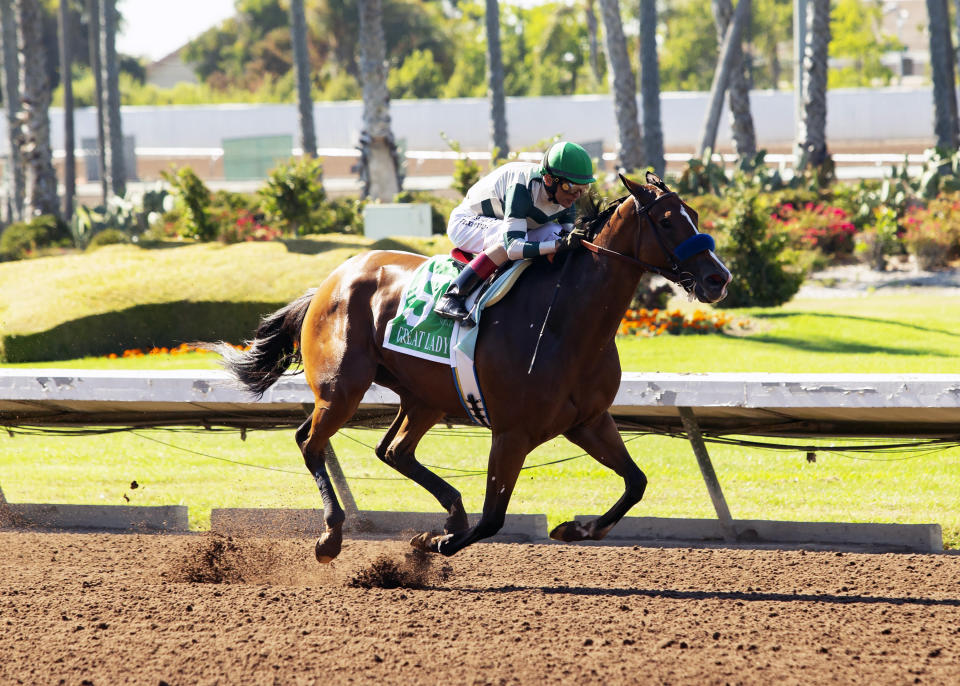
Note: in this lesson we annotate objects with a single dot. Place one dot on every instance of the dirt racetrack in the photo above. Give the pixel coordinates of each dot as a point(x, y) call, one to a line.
point(145, 609)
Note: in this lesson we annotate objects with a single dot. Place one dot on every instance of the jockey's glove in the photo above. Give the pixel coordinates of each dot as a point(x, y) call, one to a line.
point(572, 239)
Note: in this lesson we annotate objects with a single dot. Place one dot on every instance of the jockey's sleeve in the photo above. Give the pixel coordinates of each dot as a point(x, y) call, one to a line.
point(516, 207)
point(517, 247)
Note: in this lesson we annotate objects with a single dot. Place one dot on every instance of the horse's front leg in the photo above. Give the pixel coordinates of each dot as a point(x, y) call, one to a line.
point(507, 454)
point(602, 441)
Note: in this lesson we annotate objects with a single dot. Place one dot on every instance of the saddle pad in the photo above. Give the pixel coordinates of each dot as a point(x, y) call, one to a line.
point(416, 329)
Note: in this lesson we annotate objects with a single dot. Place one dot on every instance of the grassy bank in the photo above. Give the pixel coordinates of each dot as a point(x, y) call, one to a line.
point(902, 334)
point(63, 305)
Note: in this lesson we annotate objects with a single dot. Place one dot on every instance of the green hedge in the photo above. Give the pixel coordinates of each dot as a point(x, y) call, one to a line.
point(142, 326)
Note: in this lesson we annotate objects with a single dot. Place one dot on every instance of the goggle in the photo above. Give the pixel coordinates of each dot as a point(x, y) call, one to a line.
point(570, 187)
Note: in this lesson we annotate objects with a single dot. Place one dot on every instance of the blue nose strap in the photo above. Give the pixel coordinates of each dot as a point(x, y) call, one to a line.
point(693, 245)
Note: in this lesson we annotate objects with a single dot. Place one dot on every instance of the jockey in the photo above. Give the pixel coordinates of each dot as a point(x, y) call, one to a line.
point(517, 211)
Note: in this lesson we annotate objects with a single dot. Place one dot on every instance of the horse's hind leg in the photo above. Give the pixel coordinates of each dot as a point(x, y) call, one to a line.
point(602, 441)
point(334, 407)
point(397, 448)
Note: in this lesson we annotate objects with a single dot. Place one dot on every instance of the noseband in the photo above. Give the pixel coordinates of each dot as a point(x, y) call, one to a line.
point(692, 246)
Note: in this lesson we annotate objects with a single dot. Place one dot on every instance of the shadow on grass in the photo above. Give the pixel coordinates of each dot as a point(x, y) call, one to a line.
point(858, 319)
point(305, 246)
point(143, 326)
point(832, 346)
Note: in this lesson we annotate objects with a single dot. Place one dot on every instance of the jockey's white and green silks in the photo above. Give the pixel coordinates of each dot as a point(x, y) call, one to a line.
point(512, 208)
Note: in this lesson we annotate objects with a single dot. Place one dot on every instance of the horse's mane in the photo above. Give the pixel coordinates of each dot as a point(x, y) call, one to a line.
point(594, 213)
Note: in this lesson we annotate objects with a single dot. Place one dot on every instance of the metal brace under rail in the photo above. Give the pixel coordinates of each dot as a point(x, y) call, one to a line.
point(692, 428)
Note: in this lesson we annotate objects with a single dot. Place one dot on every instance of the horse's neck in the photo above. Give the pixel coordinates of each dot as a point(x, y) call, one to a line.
point(605, 284)
point(603, 291)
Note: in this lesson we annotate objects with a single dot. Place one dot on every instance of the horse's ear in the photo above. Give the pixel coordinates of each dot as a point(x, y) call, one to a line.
point(639, 191)
point(655, 180)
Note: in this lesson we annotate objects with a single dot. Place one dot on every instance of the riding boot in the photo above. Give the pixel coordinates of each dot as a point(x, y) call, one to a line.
point(451, 304)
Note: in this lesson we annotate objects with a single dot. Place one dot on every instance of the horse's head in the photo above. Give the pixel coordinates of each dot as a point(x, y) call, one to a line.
point(661, 232)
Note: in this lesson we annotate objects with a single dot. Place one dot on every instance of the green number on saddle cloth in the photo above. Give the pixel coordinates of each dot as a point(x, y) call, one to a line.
point(416, 329)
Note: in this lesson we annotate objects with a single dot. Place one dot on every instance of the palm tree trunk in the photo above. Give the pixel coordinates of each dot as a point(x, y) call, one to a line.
point(93, 25)
point(741, 124)
point(623, 87)
point(650, 87)
point(69, 143)
point(721, 77)
point(495, 79)
point(40, 177)
point(593, 42)
point(812, 143)
point(941, 66)
point(380, 165)
point(13, 165)
point(113, 126)
point(301, 65)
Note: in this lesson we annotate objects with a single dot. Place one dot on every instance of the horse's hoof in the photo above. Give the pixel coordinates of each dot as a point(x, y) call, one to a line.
point(568, 532)
point(429, 542)
point(328, 545)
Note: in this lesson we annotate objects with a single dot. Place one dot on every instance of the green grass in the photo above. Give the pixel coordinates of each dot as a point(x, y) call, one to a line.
point(192, 468)
point(888, 334)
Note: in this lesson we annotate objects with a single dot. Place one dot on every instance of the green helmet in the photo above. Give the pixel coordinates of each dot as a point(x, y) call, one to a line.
point(568, 161)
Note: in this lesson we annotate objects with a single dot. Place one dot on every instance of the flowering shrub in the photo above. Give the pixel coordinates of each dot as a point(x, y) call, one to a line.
point(247, 227)
point(182, 349)
point(932, 233)
point(826, 228)
point(876, 242)
point(644, 322)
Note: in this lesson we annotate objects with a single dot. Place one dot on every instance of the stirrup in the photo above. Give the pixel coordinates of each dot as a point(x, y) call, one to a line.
point(458, 312)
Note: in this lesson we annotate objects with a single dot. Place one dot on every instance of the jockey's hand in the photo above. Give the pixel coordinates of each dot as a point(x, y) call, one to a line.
point(572, 239)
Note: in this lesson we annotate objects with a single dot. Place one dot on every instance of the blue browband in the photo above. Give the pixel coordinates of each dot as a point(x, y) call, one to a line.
point(694, 245)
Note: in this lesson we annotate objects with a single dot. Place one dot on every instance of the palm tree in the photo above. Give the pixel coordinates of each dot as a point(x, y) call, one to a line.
point(66, 71)
point(93, 26)
point(624, 88)
point(744, 136)
point(113, 127)
point(650, 87)
point(812, 132)
point(35, 95)
point(593, 42)
point(380, 164)
point(941, 65)
point(301, 65)
point(495, 79)
point(721, 77)
point(13, 168)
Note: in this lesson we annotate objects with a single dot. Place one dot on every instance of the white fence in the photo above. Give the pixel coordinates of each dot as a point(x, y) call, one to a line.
point(888, 115)
point(920, 405)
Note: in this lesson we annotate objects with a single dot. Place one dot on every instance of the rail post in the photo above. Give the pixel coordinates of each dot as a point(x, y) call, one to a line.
point(692, 428)
point(356, 521)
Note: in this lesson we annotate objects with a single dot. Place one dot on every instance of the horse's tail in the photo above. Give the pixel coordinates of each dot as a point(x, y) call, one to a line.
point(274, 348)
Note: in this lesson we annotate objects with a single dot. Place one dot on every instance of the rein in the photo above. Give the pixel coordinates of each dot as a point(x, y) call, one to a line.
point(692, 246)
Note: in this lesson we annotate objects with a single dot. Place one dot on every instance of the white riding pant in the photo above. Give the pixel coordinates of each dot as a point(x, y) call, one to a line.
point(475, 233)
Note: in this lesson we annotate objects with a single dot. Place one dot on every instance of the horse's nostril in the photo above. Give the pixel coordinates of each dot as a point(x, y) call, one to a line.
point(716, 280)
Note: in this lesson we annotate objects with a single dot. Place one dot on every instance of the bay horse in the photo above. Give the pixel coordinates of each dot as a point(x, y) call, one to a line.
point(337, 331)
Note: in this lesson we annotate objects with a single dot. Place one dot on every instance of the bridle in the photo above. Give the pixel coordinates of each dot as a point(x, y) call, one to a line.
point(689, 248)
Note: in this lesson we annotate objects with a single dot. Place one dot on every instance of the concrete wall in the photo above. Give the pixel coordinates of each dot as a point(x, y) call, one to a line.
point(885, 116)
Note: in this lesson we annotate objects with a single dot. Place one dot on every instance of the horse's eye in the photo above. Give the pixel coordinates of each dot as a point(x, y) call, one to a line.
point(665, 223)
